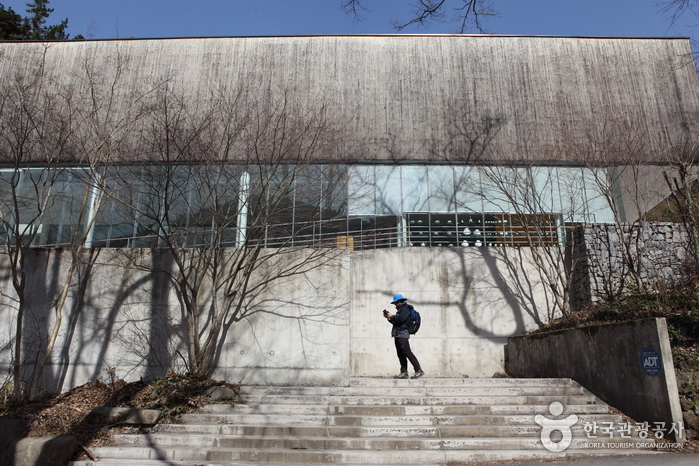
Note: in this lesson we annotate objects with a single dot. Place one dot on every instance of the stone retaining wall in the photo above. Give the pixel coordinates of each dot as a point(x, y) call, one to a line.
point(604, 256)
point(688, 385)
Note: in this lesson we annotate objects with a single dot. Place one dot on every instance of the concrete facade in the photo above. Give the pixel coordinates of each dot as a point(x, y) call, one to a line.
point(322, 326)
point(471, 301)
point(628, 365)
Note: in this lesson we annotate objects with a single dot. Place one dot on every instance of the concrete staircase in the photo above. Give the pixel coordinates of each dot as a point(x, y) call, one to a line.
point(378, 421)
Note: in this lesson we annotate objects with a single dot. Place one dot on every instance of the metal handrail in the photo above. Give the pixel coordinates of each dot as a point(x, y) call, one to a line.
point(344, 233)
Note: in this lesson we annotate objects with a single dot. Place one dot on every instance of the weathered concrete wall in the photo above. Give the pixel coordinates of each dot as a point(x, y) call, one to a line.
point(124, 317)
point(296, 330)
point(471, 300)
point(607, 360)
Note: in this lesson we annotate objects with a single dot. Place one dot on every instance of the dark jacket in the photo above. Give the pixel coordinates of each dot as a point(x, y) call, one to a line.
point(398, 320)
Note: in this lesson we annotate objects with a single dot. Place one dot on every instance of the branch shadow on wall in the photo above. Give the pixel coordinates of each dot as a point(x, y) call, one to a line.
point(97, 314)
point(516, 288)
point(284, 298)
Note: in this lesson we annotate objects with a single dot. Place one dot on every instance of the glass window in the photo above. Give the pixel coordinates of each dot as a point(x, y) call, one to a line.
point(308, 195)
point(178, 197)
point(498, 188)
point(469, 192)
point(390, 189)
point(319, 205)
point(150, 197)
point(226, 204)
point(597, 208)
point(113, 224)
point(31, 190)
point(441, 189)
point(571, 191)
point(66, 204)
point(212, 204)
point(414, 185)
point(541, 185)
point(361, 190)
point(7, 179)
point(335, 192)
point(331, 193)
point(272, 205)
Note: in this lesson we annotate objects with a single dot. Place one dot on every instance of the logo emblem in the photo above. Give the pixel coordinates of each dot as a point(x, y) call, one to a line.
point(548, 426)
point(651, 362)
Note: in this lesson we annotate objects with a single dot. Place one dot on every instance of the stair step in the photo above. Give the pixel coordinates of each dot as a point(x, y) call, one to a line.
point(361, 432)
point(416, 391)
point(376, 421)
point(419, 400)
point(366, 457)
point(344, 420)
point(475, 382)
point(478, 457)
point(502, 438)
point(394, 410)
point(464, 409)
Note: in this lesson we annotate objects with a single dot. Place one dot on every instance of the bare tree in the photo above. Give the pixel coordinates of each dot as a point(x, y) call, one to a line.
point(535, 221)
point(226, 184)
point(616, 152)
point(522, 210)
point(232, 183)
point(676, 10)
point(472, 14)
point(682, 14)
point(623, 158)
point(45, 127)
point(34, 130)
point(466, 13)
point(683, 202)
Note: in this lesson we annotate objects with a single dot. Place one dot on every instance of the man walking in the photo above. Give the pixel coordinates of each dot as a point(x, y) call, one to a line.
point(401, 336)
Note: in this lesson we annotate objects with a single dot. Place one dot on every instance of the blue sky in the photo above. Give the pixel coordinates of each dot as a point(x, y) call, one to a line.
point(106, 19)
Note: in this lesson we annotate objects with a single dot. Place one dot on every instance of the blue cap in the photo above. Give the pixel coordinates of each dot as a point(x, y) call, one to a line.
point(398, 297)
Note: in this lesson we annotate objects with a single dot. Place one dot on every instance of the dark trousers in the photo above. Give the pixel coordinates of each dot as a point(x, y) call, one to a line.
point(404, 354)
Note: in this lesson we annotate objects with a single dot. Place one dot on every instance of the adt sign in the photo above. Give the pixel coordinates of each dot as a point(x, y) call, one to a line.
point(651, 361)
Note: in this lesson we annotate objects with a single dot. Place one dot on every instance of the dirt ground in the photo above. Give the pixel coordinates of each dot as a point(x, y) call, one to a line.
point(68, 413)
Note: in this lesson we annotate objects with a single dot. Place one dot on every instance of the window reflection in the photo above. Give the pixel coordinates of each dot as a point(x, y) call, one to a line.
point(441, 195)
point(390, 190)
point(354, 206)
point(415, 185)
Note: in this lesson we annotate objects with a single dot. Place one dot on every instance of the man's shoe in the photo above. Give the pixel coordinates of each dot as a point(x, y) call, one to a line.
point(419, 373)
point(403, 375)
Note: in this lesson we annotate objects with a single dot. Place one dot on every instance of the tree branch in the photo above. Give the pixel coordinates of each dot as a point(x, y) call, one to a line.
point(469, 13)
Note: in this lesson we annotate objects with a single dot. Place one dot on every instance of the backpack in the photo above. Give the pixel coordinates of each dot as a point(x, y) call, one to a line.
point(413, 322)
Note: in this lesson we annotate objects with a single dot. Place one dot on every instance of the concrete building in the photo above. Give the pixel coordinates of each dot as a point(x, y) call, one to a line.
point(445, 168)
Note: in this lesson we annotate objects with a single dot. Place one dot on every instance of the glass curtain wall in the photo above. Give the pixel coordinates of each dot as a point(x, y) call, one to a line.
point(355, 206)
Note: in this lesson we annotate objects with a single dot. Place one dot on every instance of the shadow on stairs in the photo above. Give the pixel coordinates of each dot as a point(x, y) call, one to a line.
point(426, 421)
